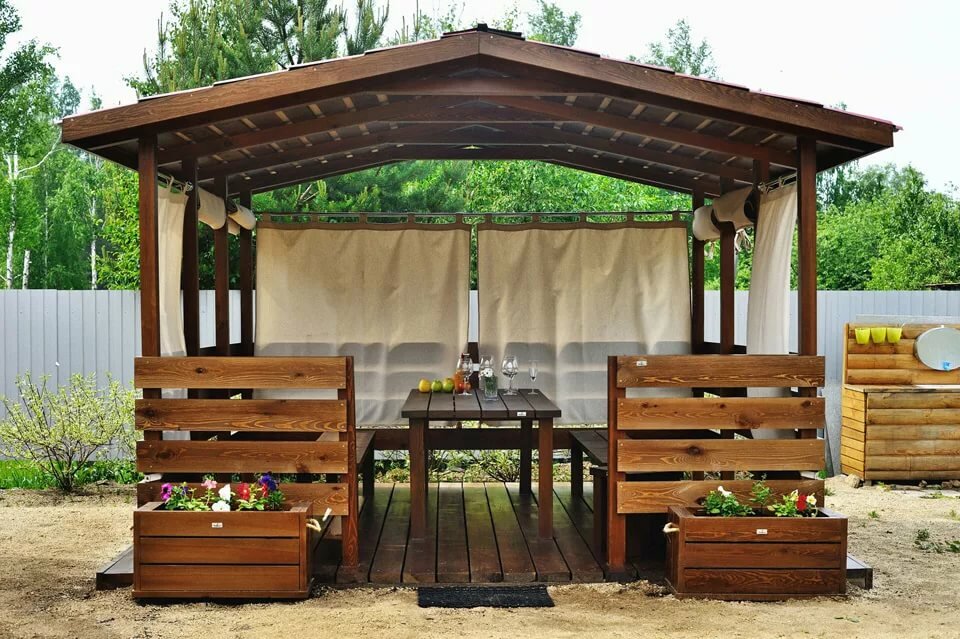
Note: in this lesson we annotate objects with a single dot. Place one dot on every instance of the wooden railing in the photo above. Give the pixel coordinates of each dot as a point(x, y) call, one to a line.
point(246, 436)
point(660, 437)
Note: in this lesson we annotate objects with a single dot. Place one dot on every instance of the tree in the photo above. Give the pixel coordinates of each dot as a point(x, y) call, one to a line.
point(680, 53)
point(550, 24)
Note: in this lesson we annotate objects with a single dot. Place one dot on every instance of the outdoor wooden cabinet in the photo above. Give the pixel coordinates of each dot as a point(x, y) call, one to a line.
point(756, 558)
point(241, 554)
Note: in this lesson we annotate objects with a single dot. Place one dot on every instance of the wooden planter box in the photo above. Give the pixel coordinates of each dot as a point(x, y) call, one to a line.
point(756, 558)
point(231, 555)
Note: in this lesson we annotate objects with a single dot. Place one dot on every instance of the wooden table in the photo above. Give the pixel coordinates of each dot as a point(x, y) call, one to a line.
point(422, 408)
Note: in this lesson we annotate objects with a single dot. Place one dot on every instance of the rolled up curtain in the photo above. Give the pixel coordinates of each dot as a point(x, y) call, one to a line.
point(736, 207)
point(232, 227)
point(768, 306)
point(244, 217)
point(213, 211)
point(703, 227)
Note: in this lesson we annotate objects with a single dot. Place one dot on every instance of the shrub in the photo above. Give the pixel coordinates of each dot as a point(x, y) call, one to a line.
point(62, 431)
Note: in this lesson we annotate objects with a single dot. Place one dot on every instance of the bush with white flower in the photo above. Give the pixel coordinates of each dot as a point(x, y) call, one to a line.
point(262, 495)
point(724, 503)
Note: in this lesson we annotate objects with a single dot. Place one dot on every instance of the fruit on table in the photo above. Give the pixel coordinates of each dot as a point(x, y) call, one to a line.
point(424, 386)
point(437, 386)
point(448, 385)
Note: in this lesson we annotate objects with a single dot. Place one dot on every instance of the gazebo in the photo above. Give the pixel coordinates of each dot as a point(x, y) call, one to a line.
point(475, 94)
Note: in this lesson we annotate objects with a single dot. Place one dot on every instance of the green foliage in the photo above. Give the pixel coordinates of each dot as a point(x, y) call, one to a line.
point(724, 503)
point(550, 24)
point(25, 474)
point(923, 542)
point(61, 431)
point(873, 514)
point(680, 53)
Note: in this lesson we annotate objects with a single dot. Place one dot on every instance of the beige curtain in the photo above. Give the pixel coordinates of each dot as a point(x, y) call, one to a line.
point(170, 208)
point(397, 300)
point(570, 297)
point(768, 307)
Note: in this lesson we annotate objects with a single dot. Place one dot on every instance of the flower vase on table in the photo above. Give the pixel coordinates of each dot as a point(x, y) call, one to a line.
point(488, 379)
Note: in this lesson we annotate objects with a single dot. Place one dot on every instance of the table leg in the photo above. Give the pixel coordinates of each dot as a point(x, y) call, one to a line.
point(526, 455)
point(418, 478)
point(576, 468)
point(546, 479)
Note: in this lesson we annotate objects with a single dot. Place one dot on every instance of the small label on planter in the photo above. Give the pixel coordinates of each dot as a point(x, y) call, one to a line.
point(521, 413)
point(219, 524)
point(761, 531)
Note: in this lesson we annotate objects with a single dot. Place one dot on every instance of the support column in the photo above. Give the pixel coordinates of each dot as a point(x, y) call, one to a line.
point(696, 284)
point(728, 281)
point(616, 523)
point(149, 260)
point(190, 268)
point(807, 258)
point(246, 281)
point(221, 250)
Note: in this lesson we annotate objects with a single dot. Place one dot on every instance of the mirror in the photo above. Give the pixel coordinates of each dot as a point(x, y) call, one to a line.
point(939, 348)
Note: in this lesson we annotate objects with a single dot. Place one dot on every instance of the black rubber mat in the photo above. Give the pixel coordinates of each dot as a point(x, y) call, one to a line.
point(533, 596)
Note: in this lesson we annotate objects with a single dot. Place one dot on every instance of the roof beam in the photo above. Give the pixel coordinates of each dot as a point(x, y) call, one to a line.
point(563, 113)
point(695, 95)
point(510, 134)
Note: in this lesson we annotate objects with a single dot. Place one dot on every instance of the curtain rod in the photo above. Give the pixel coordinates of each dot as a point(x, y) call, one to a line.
point(170, 181)
point(780, 182)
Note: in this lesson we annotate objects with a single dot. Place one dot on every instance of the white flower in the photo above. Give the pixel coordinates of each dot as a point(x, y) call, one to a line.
point(723, 491)
point(812, 500)
point(487, 372)
point(221, 507)
point(225, 493)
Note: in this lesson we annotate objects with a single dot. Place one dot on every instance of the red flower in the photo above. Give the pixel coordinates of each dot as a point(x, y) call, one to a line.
point(802, 503)
point(243, 491)
point(264, 490)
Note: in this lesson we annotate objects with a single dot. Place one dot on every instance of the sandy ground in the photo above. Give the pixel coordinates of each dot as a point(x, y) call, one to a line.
point(50, 548)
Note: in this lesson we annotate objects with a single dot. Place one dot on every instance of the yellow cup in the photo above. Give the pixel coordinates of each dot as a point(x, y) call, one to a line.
point(894, 333)
point(863, 335)
point(879, 334)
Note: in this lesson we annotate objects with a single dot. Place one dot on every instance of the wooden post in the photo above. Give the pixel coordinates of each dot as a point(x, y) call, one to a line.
point(616, 523)
point(697, 297)
point(190, 269)
point(545, 488)
point(149, 260)
point(728, 282)
point(807, 258)
point(246, 281)
point(221, 279)
point(350, 538)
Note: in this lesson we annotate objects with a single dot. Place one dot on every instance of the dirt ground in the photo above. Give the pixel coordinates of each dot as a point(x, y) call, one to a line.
point(51, 546)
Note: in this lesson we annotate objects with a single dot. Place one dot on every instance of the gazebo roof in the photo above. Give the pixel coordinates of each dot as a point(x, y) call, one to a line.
point(477, 94)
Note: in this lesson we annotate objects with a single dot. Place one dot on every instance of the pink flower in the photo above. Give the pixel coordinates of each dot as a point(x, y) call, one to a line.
point(209, 484)
point(166, 491)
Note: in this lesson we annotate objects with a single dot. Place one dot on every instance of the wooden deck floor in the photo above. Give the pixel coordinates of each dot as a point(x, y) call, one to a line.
point(477, 533)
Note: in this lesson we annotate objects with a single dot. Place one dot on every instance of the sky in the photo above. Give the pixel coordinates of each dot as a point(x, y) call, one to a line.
point(891, 60)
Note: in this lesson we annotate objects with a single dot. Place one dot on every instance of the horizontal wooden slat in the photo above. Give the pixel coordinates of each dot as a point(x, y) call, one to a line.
point(241, 457)
point(884, 361)
point(856, 443)
point(913, 431)
point(953, 473)
point(665, 455)
point(240, 372)
point(851, 466)
point(657, 496)
point(751, 555)
point(720, 371)
point(162, 523)
point(911, 447)
point(853, 424)
point(917, 463)
point(323, 496)
point(914, 416)
point(242, 414)
point(851, 452)
point(903, 347)
point(914, 400)
point(852, 413)
point(685, 413)
point(763, 581)
point(210, 550)
point(742, 529)
point(178, 578)
point(882, 377)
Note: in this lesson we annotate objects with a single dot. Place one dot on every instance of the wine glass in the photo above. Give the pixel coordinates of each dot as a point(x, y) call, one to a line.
point(533, 370)
point(510, 367)
point(466, 370)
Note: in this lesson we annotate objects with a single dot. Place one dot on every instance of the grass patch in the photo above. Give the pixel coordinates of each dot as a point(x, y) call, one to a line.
point(24, 474)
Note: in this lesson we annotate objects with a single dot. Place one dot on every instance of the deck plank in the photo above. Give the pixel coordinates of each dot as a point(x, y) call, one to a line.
point(420, 566)
point(370, 525)
point(484, 557)
point(387, 566)
point(453, 560)
point(545, 553)
point(575, 549)
point(514, 556)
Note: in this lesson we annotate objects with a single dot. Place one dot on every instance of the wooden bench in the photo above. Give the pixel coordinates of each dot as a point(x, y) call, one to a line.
point(593, 443)
point(365, 459)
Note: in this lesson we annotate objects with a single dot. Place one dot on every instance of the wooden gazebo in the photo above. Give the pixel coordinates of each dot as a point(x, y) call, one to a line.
point(475, 94)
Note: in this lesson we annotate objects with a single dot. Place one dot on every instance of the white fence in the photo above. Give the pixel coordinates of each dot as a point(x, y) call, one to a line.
point(59, 333)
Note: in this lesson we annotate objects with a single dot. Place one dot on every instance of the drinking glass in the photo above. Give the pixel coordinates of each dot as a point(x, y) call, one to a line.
point(466, 370)
point(534, 369)
point(510, 367)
